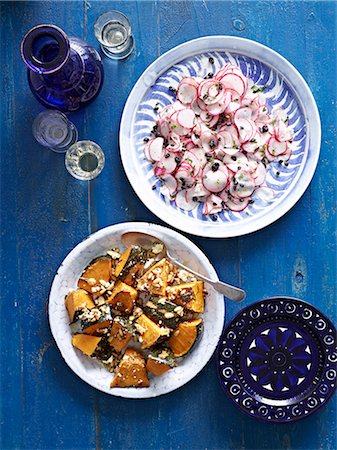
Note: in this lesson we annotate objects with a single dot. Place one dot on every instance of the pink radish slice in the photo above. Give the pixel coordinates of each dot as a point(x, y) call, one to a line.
point(286, 156)
point(234, 82)
point(210, 91)
point(219, 107)
point(282, 132)
point(158, 170)
point(190, 145)
point(239, 162)
point(178, 106)
point(193, 160)
point(242, 185)
point(164, 128)
point(201, 104)
point(246, 129)
point(186, 118)
point(265, 194)
point(187, 92)
point(209, 141)
point(243, 113)
point(174, 143)
point(238, 206)
point(276, 148)
point(184, 202)
point(212, 205)
point(232, 107)
point(199, 191)
point(263, 115)
point(170, 183)
point(221, 72)
point(168, 163)
point(195, 107)
point(260, 174)
point(224, 195)
point(214, 181)
point(147, 152)
point(200, 154)
point(155, 149)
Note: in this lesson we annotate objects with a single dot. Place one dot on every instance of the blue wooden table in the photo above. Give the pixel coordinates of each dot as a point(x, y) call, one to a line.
point(45, 213)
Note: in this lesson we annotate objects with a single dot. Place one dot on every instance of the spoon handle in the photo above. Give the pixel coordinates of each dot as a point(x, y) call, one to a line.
point(229, 291)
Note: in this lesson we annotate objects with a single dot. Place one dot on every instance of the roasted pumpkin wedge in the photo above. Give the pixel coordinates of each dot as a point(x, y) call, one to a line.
point(119, 335)
point(184, 337)
point(76, 301)
point(100, 270)
point(155, 279)
point(131, 371)
point(128, 259)
point(97, 327)
point(133, 274)
point(160, 361)
point(190, 295)
point(149, 331)
point(162, 311)
point(86, 343)
point(94, 320)
point(123, 297)
point(156, 367)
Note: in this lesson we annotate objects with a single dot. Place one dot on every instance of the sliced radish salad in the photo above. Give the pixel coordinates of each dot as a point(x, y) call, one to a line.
point(213, 144)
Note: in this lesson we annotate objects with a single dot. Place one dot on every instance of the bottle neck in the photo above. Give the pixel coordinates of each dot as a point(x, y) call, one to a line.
point(45, 49)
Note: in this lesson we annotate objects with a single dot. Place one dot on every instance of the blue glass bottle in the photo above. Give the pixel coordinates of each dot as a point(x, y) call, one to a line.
point(63, 72)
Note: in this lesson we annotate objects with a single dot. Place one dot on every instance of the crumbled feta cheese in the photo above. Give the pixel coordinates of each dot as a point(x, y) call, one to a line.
point(179, 310)
point(169, 315)
point(104, 283)
point(113, 254)
point(99, 301)
point(151, 305)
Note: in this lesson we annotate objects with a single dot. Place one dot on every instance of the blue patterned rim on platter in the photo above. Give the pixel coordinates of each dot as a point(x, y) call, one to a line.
point(277, 359)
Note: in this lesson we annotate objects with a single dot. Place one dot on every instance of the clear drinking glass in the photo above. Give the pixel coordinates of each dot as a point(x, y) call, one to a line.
point(54, 130)
point(85, 160)
point(113, 32)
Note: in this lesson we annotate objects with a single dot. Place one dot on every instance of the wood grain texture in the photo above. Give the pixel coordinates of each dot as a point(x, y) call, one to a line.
point(45, 212)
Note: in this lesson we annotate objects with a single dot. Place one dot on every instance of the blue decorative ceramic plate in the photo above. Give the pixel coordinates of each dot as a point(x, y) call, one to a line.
point(285, 88)
point(277, 359)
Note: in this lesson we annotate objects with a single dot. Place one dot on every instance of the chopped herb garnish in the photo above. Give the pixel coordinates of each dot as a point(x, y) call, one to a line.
point(256, 89)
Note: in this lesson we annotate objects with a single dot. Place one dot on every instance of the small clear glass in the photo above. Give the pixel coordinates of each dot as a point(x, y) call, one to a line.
point(85, 160)
point(52, 129)
point(113, 32)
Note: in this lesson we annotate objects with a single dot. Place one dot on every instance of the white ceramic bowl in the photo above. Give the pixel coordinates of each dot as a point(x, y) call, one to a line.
point(93, 372)
point(286, 89)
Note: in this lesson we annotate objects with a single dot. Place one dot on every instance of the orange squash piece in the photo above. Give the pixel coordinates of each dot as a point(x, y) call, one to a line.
point(195, 288)
point(122, 261)
point(119, 336)
point(184, 337)
point(99, 270)
point(131, 371)
point(77, 300)
point(156, 367)
point(92, 329)
point(150, 332)
point(123, 297)
point(87, 344)
point(133, 273)
point(155, 279)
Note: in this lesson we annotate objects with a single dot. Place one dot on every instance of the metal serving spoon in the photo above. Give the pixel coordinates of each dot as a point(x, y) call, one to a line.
point(148, 241)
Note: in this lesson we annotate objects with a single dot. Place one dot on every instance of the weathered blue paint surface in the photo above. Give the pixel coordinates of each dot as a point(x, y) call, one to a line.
point(45, 212)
